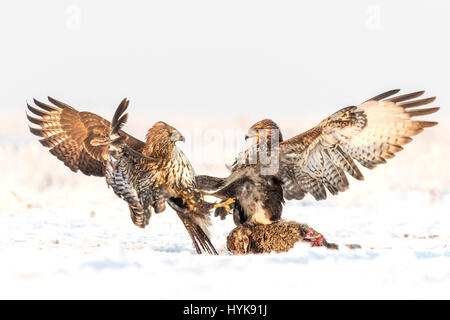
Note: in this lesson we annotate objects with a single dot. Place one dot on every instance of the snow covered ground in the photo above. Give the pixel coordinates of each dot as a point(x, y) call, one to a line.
point(64, 235)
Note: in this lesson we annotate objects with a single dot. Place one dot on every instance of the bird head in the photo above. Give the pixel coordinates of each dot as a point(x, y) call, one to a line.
point(266, 128)
point(175, 135)
point(166, 132)
point(161, 139)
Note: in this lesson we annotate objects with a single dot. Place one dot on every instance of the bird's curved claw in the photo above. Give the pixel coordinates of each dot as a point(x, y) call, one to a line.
point(225, 204)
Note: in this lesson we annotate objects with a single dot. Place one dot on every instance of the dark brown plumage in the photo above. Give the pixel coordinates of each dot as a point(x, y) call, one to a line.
point(318, 159)
point(146, 175)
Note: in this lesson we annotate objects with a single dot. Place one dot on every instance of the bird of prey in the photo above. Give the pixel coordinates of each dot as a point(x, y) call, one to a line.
point(273, 170)
point(145, 174)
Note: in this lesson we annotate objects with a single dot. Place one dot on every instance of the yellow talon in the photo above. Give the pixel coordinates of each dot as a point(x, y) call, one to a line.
point(225, 204)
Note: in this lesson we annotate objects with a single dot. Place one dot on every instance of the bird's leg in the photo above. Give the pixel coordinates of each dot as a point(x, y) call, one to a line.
point(225, 204)
point(205, 193)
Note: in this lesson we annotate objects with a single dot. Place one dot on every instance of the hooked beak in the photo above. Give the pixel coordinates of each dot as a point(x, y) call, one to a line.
point(250, 134)
point(176, 136)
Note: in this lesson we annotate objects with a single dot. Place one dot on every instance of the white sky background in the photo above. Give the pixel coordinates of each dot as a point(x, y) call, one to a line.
point(258, 58)
point(219, 64)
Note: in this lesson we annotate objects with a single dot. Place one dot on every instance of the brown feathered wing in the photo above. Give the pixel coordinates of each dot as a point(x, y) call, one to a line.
point(76, 138)
point(318, 160)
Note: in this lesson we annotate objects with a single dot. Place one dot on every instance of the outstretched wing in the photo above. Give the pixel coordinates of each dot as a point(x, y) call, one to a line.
point(369, 133)
point(76, 138)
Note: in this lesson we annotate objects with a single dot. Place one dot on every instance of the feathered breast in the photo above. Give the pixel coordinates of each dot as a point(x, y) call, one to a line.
point(180, 171)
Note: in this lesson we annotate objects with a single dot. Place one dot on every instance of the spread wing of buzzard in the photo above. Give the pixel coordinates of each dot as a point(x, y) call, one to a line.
point(370, 133)
point(76, 138)
point(318, 159)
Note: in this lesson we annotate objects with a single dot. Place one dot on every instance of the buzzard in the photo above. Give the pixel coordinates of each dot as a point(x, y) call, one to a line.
point(145, 174)
point(273, 170)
